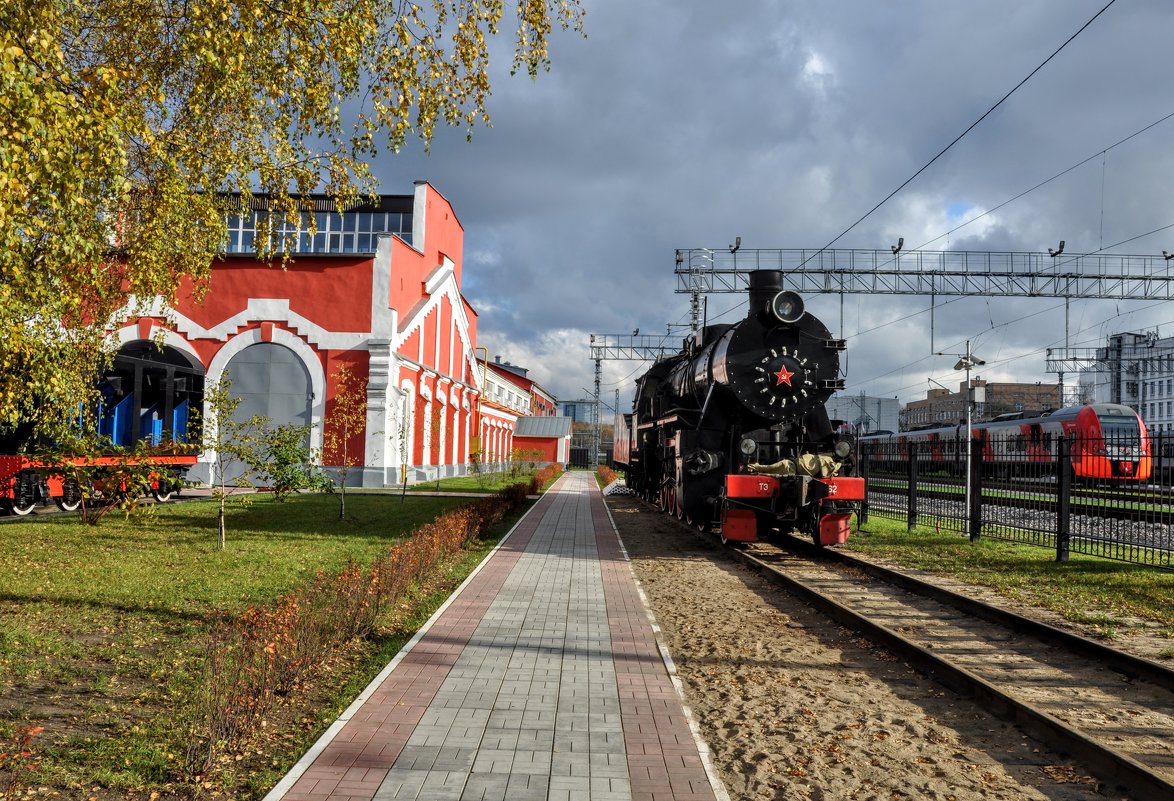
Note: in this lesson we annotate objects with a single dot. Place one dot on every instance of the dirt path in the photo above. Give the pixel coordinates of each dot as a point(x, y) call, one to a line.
point(793, 706)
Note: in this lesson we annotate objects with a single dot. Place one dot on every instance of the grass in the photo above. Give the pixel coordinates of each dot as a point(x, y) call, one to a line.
point(1083, 590)
point(491, 482)
point(102, 629)
point(366, 662)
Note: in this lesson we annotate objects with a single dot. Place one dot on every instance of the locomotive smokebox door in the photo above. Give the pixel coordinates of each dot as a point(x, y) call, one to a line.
point(780, 363)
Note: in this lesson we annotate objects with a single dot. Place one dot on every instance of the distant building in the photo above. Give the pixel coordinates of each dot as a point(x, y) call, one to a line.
point(546, 439)
point(580, 411)
point(942, 407)
point(866, 414)
point(1136, 370)
point(542, 402)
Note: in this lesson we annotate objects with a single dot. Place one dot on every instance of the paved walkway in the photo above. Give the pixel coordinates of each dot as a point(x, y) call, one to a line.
point(541, 679)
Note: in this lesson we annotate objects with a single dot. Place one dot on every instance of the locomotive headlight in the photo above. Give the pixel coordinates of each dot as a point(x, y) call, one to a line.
point(748, 446)
point(842, 448)
point(787, 307)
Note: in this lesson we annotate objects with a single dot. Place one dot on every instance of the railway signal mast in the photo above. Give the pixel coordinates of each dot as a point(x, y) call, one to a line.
point(622, 347)
point(968, 361)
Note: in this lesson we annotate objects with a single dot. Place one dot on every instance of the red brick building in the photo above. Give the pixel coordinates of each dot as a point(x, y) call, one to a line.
point(377, 288)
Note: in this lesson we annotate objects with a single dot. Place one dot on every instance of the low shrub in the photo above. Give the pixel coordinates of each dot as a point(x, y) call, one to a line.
point(262, 654)
point(606, 475)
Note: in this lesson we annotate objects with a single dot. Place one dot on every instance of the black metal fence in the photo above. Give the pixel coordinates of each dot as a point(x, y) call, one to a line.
point(1103, 498)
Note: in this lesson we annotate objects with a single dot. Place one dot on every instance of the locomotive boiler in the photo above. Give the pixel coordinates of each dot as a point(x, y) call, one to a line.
point(732, 433)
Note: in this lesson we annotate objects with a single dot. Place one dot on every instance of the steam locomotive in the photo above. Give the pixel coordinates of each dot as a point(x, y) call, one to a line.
point(732, 433)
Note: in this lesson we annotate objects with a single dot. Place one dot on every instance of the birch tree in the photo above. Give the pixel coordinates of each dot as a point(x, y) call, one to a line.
point(126, 124)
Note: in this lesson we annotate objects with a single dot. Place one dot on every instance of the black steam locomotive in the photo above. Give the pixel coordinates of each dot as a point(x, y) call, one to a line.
point(732, 434)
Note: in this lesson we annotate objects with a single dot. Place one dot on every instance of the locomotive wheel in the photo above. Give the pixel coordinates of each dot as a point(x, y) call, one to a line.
point(70, 498)
point(163, 494)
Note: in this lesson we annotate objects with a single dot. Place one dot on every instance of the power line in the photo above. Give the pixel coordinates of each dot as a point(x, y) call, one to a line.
point(958, 138)
point(1046, 181)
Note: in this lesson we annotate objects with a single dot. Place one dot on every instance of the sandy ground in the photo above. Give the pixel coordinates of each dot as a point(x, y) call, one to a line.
point(795, 707)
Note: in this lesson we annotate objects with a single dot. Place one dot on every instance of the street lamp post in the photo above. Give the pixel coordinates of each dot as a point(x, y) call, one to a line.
point(967, 361)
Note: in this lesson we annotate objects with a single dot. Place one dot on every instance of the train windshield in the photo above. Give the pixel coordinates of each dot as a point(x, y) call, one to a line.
point(1121, 430)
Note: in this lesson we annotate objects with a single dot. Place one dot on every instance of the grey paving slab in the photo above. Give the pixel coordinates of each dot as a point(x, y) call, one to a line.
point(535, 683)
point(544, 681)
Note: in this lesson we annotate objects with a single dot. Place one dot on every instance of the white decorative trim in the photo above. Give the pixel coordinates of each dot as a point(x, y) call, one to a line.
point(130, 333)
point(305, 354)
point(419, 214)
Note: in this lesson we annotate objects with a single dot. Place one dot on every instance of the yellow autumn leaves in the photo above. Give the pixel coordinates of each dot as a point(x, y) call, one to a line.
point(124, 122)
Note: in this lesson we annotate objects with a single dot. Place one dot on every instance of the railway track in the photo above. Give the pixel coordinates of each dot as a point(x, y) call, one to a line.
point(1111, 711)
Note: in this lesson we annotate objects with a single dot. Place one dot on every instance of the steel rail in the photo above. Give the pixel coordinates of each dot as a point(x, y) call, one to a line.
point(1110, 765)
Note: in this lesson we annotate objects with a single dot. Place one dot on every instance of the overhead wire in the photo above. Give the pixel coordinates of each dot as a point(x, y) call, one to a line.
point(960, 136)
point(1045, 182)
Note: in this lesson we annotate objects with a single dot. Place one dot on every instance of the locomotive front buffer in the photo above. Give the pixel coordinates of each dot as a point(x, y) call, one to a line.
point(822, 506)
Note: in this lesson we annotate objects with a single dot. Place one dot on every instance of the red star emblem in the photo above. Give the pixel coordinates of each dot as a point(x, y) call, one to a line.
point(783, 375)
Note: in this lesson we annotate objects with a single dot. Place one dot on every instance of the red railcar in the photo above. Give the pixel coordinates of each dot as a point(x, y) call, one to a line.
point(1109, 442)
point(148, 396)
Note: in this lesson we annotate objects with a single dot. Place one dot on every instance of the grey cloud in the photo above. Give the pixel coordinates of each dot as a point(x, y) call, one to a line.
point(687, 124)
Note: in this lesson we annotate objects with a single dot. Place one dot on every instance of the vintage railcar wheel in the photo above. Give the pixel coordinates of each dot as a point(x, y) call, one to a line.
point(163, 494)
point(21, 509)
point(68, 505)
point(70, 498)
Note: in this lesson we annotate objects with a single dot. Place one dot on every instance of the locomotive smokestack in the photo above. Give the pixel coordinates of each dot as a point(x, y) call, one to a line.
point(764, 285)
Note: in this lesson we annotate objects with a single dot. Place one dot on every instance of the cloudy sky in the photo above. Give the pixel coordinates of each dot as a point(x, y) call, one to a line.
point(685, 124)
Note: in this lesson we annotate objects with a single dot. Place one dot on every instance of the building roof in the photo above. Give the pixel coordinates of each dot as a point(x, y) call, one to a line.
point(543, 427)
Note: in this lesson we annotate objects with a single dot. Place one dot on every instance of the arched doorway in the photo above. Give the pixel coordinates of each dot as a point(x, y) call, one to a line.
point(271, 381)
point(150, 393)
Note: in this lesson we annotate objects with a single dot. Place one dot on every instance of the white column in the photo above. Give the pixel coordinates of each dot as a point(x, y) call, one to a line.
point(381, 366)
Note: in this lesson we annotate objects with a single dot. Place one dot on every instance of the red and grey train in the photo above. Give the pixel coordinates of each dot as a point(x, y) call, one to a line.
point(732, 433)
point(147, 395)
point(1109, 442)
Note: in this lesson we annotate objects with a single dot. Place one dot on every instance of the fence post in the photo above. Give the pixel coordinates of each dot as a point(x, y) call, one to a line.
point(1063, 497)
point(974, 481)
point(911, 476)
point(865, 461)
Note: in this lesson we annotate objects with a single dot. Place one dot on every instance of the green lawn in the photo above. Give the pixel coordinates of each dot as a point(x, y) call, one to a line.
point(485, 483)
point(102, 628)
point(1083, 589)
